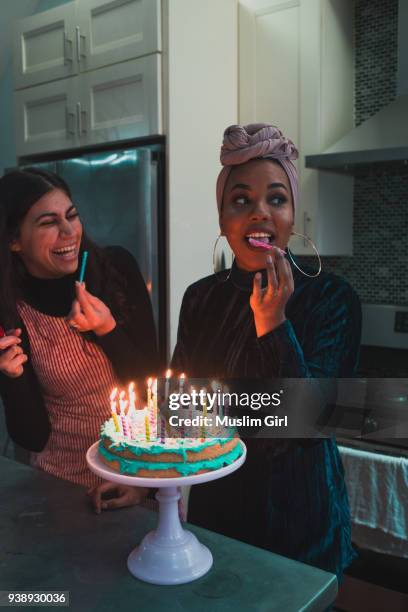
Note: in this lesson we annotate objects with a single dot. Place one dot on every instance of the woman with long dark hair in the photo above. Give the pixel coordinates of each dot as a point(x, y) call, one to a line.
point(66, 343)
point(267, 317)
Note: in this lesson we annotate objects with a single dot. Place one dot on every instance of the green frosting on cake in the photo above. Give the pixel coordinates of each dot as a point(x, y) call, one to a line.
point(132, 466)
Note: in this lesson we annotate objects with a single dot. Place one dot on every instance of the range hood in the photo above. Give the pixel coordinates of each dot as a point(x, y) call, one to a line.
point(382, 140)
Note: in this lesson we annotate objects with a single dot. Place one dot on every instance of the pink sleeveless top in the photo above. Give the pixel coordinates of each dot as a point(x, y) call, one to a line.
point(76, 379)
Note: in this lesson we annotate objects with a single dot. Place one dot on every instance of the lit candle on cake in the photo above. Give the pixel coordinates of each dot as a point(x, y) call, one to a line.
point(167, 386)
point(132, 399)
point(149, 392)
point(113, 404)
point(113, 400)
point(162, 430)
point(155, 408)
point(147, 429)
point(154, 392)
point(122, 402)
point(205, 402)
point(192, 390)
point(182, 379)
point(125, 426)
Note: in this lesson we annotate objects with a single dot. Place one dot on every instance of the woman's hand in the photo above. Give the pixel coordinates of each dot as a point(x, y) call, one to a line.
point(88, 313)
point(125, 496)
point(269, 304)
point(11, 354)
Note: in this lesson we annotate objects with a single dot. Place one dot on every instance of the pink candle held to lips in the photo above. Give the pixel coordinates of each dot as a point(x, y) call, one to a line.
point(267, 247)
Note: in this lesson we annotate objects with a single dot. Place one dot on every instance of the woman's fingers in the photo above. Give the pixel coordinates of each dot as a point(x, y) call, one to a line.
point(273, 283)
point(11, 361)
point(92, 299)
point(83, 300)
point(257, 287)
point(285, 275)
point(16, 366)
point(14, 332)
point(75, 311)
point(96, 494)
point(125, 496)
point(8, 341)
point(76, 318)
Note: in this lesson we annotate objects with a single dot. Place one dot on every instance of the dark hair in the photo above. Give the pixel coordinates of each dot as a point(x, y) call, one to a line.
point(19, 191)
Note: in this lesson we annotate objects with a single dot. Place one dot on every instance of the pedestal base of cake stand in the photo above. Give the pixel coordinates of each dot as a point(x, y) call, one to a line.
point(169, 554)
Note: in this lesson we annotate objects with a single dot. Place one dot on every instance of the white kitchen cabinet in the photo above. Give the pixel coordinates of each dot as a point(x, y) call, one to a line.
point(108, 32)
point(121, 102)
point(106, 105)
point(46, 118)
point(84, 35)
point(297, 71)
point(44, 47)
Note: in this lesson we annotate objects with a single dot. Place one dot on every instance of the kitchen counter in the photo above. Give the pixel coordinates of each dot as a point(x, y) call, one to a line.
point(52, 540)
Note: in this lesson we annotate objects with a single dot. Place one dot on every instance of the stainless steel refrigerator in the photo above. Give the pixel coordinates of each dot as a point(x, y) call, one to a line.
point(120, 197)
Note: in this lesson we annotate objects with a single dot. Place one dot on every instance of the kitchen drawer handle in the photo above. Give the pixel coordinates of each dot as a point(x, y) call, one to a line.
point(79, 39)
point(70, 120)
point(68, 59)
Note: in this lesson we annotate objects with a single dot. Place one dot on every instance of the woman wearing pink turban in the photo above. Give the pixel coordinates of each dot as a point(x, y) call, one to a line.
point(266, 318)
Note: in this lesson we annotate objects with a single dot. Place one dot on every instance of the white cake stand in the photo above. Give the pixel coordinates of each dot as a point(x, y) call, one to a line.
point(170, 554)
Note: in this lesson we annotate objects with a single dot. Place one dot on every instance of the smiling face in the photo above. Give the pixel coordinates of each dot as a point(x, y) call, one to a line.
point(257, 203)
point(50, 236)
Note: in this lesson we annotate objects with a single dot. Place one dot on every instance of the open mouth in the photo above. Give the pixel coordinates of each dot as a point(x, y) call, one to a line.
point(68, 252)
point(260, 240)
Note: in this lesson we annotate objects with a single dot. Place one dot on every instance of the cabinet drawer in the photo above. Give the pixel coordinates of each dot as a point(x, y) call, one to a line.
point(109, 32)
point(106, 105)
point(122, 101)
point(46, 117)
point(44, 47)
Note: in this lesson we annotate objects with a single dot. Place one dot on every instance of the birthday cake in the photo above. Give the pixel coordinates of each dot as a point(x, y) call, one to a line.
point(126, 449)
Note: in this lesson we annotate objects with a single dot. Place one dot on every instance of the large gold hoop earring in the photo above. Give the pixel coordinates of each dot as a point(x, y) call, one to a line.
point(215, 263)
point(312, 244)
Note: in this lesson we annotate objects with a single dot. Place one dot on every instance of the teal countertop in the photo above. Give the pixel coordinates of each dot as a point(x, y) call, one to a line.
point(50, 539)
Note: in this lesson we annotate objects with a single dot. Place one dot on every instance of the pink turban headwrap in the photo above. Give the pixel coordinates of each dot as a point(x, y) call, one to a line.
point(256, 141)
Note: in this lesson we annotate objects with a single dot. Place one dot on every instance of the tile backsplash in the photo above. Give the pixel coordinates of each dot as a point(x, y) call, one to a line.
point(378, 271)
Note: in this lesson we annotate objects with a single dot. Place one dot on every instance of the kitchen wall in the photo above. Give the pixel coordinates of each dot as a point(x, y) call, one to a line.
point(379, 268)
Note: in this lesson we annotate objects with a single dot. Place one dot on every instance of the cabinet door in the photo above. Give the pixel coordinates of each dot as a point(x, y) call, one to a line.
point(44, 47)
point(121, 102)
point(112, 31)
point(289, 78)
point(46, 117)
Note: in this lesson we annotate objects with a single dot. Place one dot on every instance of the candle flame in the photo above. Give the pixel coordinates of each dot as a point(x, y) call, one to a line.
point(149, 382)
point(182, 376)
point(131, 387)
point(113, 394)
point(169, 373)
point(122, 395)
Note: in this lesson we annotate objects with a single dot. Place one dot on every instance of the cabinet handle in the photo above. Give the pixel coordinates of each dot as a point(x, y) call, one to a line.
point(79, 38)
point(70, 121)
point(306, 221)
point(68, 59)
point(81, 116)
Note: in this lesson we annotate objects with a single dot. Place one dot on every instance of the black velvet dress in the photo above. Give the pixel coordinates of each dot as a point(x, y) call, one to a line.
point(289, 497)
